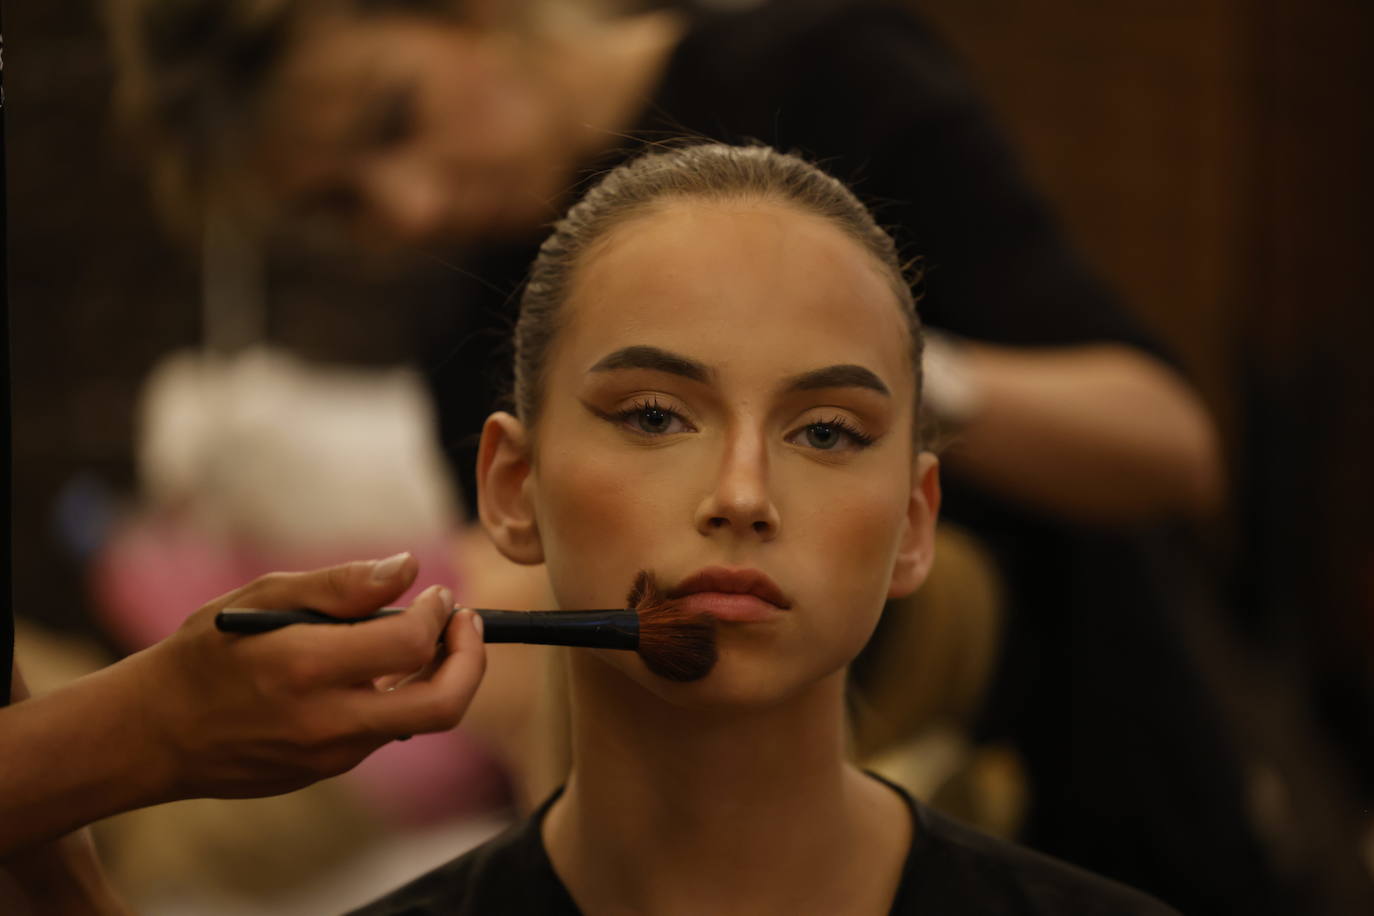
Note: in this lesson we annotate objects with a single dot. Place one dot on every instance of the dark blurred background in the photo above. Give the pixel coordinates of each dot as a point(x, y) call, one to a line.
point(1210, 157)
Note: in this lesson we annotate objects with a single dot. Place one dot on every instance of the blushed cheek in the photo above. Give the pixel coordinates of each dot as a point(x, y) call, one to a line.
point(599, 526)
point(863, 544)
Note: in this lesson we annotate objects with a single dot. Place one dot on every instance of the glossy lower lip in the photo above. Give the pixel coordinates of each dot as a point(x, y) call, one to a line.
point(730, 606)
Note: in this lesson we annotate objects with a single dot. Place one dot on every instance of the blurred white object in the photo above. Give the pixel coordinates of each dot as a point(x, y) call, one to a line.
point(951, 389)
point(265, 447)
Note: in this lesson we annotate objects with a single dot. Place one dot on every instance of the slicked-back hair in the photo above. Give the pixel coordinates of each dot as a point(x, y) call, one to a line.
point(703, 171)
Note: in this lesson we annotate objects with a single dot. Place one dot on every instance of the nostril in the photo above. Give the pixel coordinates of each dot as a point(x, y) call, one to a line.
point(718, 522)
point(761, 527)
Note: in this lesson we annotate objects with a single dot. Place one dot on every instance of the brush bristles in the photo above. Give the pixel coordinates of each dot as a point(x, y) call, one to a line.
point(674, 643)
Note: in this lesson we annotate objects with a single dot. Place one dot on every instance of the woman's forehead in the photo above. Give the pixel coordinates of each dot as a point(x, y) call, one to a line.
point(736, 274)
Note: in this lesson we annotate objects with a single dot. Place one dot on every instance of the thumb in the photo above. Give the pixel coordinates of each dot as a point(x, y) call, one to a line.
point(347, 590)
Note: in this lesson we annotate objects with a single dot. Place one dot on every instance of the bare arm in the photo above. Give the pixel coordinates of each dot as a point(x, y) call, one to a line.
point(1101, 433)
point(62, 876)
point(70, 758)
point(204, 713)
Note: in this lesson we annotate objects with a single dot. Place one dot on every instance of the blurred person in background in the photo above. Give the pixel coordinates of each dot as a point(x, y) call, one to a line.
point(459, 129)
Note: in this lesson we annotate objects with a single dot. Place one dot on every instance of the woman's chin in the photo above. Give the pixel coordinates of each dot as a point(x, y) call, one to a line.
point(737, 682)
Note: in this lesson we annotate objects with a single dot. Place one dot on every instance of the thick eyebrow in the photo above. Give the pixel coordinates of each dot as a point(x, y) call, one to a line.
point(655, 358)
point(840, 376)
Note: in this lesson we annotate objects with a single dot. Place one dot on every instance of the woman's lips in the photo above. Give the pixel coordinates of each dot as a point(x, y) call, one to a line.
point(743, 595)
point(730, 606)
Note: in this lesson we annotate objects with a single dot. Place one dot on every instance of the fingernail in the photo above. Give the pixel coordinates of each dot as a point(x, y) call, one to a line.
point(386, 570)
point(446, 597)
point(477, 623)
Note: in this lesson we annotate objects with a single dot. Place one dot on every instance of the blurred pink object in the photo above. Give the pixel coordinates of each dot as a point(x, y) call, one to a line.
point(156, 570)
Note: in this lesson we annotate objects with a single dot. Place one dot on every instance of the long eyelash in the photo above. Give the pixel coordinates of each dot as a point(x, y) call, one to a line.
point(641, 406)
point(623, 417)
point(863, 439)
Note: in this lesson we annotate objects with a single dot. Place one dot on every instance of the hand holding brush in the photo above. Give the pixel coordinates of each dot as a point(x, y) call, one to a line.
point(202, 714)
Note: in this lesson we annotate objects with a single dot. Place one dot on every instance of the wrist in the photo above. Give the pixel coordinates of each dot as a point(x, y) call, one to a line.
point(155, 761)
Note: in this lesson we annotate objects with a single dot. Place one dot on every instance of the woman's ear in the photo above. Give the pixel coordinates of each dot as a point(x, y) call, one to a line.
point(917, 549)
point(504, 463)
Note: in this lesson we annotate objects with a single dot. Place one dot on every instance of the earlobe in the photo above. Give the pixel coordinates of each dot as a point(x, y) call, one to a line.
point(916, 552)
point(503, 502)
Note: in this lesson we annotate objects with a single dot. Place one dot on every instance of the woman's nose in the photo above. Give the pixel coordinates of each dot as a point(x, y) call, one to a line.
point(740, 503)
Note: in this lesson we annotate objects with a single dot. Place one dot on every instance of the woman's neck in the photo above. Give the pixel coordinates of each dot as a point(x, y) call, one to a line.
point(671, 810)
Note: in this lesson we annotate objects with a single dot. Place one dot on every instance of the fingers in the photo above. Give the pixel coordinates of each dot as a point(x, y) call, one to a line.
point(320, 654)
point(439, 702)
point(347, 590)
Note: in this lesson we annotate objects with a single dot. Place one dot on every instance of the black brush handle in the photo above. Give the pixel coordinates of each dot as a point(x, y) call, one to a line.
point(588, 629)
point(615, 629)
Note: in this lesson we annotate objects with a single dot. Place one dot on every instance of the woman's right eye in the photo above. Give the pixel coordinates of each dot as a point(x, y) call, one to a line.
point(652, 419)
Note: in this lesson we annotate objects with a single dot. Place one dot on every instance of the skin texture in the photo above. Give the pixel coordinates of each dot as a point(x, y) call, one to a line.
point(204, 713)
point(675, 781)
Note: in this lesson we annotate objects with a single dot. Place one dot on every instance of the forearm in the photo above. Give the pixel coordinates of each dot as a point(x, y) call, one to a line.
point(1100, 434)
point(75, 756)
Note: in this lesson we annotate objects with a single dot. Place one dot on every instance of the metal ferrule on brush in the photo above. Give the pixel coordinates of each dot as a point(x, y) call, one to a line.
point(588, 629)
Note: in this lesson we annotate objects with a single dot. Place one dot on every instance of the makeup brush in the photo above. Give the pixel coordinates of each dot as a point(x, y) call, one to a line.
point(674, 643)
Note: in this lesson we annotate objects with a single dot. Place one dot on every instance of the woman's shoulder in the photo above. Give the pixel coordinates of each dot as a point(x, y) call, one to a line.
point(510, 873)
point(955, 868)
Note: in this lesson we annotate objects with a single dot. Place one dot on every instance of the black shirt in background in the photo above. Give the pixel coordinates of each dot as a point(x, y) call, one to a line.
point(950, 869)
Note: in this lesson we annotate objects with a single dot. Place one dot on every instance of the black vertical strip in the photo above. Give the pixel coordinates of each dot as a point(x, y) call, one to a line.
point(6, 466)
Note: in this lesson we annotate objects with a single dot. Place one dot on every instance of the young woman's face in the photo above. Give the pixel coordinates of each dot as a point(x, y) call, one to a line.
point(401, 131)
point(732, 390)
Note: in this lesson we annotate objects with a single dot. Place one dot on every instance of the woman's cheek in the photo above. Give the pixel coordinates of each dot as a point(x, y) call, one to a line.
point(598, 518)
point(864, 542)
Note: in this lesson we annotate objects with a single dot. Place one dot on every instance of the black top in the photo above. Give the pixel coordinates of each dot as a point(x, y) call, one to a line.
point(950, 869)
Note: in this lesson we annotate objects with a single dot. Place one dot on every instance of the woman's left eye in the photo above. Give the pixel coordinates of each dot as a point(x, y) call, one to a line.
point(830, 435)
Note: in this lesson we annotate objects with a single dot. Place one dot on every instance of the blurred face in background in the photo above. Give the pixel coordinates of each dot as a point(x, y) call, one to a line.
point(400, 131)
